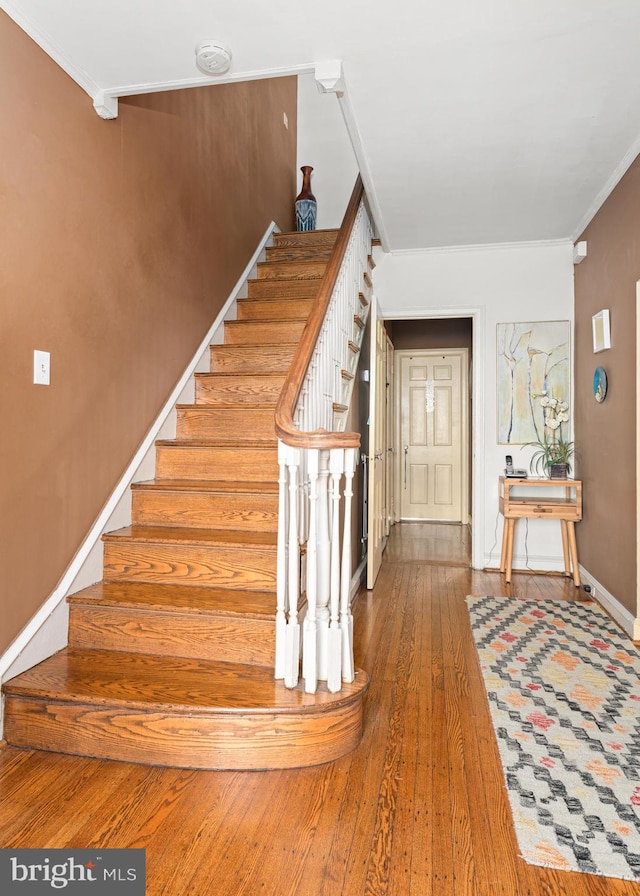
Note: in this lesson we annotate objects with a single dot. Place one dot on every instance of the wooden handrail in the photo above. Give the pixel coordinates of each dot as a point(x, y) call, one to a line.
point(285, 425)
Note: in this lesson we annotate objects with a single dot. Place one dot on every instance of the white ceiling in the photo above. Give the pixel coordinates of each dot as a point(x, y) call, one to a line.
point(474, 121)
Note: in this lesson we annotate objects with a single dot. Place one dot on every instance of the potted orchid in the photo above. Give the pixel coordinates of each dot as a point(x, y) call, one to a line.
point(554, 453)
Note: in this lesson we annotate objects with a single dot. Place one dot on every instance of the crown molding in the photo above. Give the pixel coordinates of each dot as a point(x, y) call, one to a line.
point(45, 43)
point(485, 247)
point(120, 90)
point(106, 100)
point(363, 164)
point(620, 170)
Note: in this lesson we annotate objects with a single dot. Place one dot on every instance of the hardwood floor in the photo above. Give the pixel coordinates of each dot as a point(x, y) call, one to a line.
point(418, 808)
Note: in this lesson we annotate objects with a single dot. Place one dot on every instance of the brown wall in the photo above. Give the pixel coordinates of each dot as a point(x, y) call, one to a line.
point(426, 334)
point(605, 433)
point(121, 240)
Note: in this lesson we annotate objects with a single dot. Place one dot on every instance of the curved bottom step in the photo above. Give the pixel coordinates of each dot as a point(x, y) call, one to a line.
point(180, 713)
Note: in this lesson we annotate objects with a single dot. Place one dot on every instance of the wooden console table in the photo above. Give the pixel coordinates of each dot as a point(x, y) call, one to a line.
point(567, 509)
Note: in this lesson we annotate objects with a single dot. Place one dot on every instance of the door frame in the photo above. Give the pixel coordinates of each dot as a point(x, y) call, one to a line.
point(464, 423)
point(377, 426)
point(478, 462)
point(390, 435)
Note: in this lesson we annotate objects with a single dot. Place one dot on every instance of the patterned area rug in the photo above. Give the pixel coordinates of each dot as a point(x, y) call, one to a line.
point(563, 685)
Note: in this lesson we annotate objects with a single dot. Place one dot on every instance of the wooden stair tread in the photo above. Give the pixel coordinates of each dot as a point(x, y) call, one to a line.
point(249, 444)
point(219, 376)
point(239, 406)
point(185, 598)
point(268, 320)
point(171, 535)
point(169, 684)
point(208, 485)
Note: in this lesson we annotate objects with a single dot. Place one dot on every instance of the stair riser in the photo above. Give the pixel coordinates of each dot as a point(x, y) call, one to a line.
point(200, 637)
point(241, 423)
point(300, 253)
point(243, 359)
point(305, 238)
point(274, 309)
point(220, 389)
point(213, 463)
point(263, 333)
point(248, 513)
point(251, 740)
point(290, 269)
point(177, 564)
point(283, 289)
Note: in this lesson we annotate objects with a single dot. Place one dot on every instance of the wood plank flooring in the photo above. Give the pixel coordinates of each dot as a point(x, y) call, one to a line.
point(418, 808)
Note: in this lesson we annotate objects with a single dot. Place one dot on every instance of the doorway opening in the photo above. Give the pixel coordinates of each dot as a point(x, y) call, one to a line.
point(433, 420)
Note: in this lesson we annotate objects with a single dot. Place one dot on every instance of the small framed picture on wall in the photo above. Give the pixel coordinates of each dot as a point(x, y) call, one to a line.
point(601, 331)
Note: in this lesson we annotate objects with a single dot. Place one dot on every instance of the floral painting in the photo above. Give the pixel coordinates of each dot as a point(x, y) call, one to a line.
point(533, 359)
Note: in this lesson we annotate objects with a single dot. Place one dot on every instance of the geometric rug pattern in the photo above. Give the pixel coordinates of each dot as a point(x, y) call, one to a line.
point(563, 684)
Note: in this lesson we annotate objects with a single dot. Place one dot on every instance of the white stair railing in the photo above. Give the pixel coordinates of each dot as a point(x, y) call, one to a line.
point(317, 461)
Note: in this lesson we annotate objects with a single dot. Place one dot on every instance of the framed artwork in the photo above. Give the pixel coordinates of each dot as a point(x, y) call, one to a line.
point(533, 358)
point(601, 330)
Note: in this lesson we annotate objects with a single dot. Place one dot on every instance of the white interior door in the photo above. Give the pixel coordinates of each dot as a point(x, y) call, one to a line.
point(377, 448)
point(433, 435)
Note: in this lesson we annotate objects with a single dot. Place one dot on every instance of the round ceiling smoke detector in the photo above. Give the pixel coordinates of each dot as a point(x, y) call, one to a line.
point(212, 58)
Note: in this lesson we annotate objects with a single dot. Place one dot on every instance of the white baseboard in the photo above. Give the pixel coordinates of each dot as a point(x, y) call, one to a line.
point(357, 577)
point(625, 619)
point(47, 631)
point(523, 563)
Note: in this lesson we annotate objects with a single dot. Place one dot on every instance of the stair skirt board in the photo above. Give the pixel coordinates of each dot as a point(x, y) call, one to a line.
point(172, 654)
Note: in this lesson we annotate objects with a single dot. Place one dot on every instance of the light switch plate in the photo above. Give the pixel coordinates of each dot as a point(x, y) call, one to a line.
point(41, 368)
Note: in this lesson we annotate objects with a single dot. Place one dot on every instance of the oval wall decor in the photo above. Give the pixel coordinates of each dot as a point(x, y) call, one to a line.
point(600, 384)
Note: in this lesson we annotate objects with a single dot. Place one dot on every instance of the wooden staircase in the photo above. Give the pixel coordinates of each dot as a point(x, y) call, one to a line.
point(171, 657)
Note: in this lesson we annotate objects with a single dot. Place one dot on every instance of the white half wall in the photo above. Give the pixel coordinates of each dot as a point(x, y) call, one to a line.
point(324, 143)
point(492, 284)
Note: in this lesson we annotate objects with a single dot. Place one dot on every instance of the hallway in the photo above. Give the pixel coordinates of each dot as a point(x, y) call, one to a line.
point(419, 808)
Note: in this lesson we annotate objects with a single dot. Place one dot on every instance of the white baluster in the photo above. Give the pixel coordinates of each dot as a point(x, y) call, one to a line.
point(346, 619)
point(281, 563)
point(334, 658)
point(292, 642)
point(324, 563)
point(310, 639)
